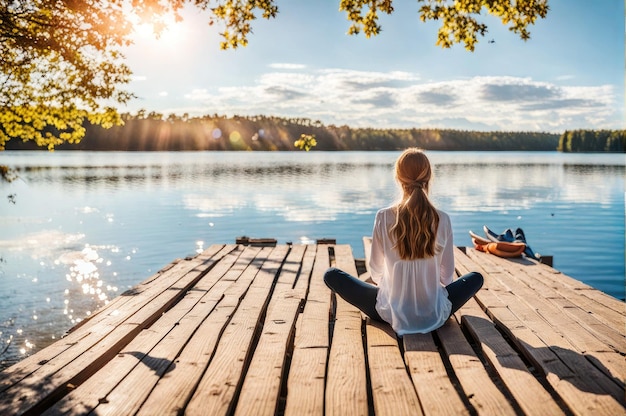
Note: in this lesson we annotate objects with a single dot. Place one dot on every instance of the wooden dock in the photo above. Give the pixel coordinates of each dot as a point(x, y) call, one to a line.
point(248, 329)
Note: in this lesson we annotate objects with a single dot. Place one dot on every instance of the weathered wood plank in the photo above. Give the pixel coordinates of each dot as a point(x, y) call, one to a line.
point(575, 390)
point(261, 387)
point(562, 322)
point(151, 353)
point(312, 329)
point(586, 375)
point(607, 334)
point(558, 330)
point(303, 279)
point(479, 389)
point(308, 364)
point(346, 388)
point(435, 389)
point(75, 365)
point(216, 391)
point(392, 390)
point(175, 388)
point(604, 308)
point(367, 250)
point(487, 295)
point(529, 393)
point(603, 303)
point(162, 342)
point(586, 343)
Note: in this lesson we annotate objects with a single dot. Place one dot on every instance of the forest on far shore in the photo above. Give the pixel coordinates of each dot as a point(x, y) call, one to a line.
point(154, 132)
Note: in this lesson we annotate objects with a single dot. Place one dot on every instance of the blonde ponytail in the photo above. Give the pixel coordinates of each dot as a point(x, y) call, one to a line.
point(417, 220)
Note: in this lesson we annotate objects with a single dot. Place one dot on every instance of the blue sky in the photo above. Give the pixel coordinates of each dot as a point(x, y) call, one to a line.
point(569, 75)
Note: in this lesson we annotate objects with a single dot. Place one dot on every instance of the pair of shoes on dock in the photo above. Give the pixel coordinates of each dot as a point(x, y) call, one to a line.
point(509, 236)
point(506, 244)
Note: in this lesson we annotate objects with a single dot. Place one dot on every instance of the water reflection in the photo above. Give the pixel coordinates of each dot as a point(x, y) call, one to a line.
point(326, 189)
point(489, 188)
point(87, 226)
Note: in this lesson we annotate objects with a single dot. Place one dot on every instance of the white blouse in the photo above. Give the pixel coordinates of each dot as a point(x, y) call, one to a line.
point(411, 295)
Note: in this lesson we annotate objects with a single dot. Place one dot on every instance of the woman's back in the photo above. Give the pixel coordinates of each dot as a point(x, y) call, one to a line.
point(412, 259)
point(411, 293)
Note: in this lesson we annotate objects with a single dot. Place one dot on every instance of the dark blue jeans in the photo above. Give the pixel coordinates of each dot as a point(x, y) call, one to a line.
point(363, 295)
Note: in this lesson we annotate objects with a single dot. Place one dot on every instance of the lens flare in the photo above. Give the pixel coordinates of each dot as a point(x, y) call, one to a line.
point(235, 137)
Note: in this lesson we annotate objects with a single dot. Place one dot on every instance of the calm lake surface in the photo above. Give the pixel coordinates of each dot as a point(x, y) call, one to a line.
point(79, 228)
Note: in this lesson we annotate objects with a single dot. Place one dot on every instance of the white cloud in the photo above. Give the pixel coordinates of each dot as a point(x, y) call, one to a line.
point(402, 100)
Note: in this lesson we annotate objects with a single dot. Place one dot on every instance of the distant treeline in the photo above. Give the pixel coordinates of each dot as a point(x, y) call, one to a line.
point(593, 141)
point(151, 131)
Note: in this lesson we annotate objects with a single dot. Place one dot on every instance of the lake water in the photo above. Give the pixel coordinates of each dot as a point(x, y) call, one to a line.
point(79, 228)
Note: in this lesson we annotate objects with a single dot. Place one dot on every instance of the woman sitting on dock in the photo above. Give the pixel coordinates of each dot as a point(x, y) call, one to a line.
point(412, 260)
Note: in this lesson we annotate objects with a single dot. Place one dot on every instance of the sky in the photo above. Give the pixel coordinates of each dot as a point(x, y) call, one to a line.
point(303, 64)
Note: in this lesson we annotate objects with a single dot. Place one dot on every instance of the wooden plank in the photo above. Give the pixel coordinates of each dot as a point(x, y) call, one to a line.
point(605, 308)
point(435, 390)
point(256, 242)
point(601, 299)
point(367, 250)
point(573, 389)
point(586, 343)
point(175, 388)
point(601, 344)
point(392, 390)
point(486, 296)
point(261, 387)
point(344, 259)
point(585, 374)
point(217, 390)
point(578, 393)
point(75, 365)
point(124, 383)
point(303, 278)
point(479, 389)
point(528, 392)
point(312, 329)
point(346, 386)
point(308, 364)
point(608, 334)
point(563, 334)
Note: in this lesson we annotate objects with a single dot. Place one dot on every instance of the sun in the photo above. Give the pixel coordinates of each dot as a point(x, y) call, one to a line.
point(172, 32)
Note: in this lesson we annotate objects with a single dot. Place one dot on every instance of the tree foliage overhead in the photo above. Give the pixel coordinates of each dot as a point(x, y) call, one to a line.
point(62, 60)
point(460, 23)
point(460, 18)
